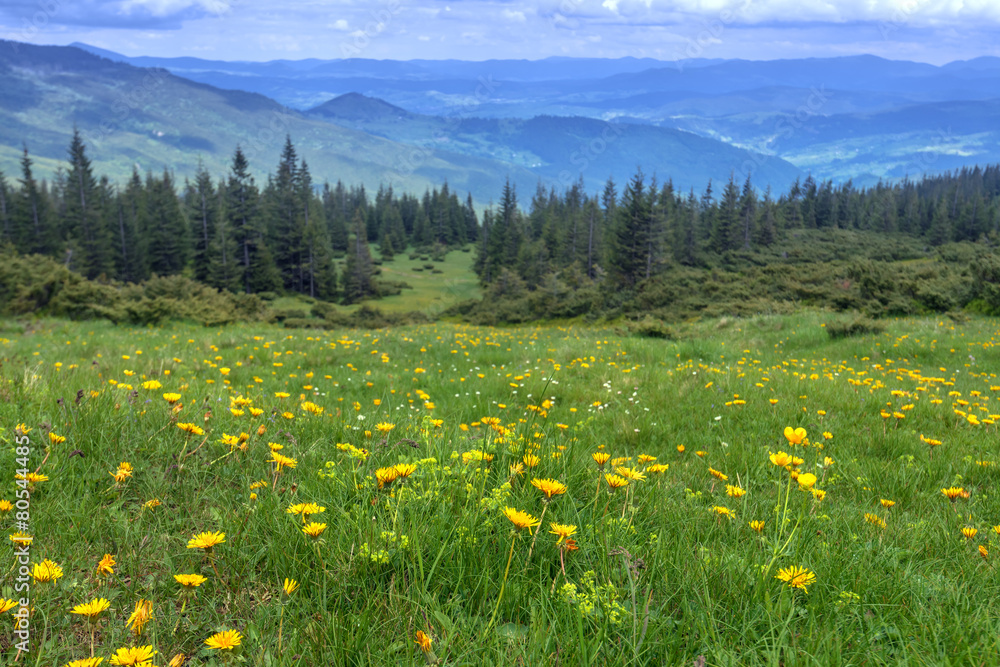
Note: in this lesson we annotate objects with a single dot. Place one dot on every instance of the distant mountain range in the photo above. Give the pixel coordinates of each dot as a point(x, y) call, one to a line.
point(153, 119)
point(859, 117)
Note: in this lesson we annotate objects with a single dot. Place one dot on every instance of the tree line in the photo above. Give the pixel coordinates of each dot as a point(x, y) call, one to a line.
point(631, 236)
point(236, 235)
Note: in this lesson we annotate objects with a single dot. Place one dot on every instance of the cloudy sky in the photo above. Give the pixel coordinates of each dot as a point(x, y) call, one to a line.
point(935, 31)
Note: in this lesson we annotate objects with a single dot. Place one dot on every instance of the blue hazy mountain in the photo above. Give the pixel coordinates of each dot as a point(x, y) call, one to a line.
point(881, 118)
point(153, 119)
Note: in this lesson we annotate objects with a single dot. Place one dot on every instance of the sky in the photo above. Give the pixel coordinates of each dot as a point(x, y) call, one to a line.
point(933, 31)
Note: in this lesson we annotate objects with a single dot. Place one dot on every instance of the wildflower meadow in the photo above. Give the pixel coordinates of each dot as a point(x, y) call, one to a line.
point(754, 492)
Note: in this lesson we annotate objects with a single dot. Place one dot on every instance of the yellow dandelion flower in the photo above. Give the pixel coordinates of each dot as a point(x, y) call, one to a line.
point(531, 460)
point(631, 474)
point(56, 439)
point(141, 615)
point(313, 529)
point(46, 571)
point(969, 532)
point(133, 655)
point(171, 398)
point(226, 640)
point(190, 581)
point(562, 531)
point(796, 577)
point(7, 605)
point(290, 586)
point(423, 641)
point(724, 511)
point(781, 459)
point(615, 482)
point(600, 458)
point(757, 525)
point(887, 503)
point(206, 540)
point(806, 480)
point(520, 519)
point(718, 475)
point(384, 427)
point(404, 470)
point(92, 609)
point(549, 487)
point(106, 566)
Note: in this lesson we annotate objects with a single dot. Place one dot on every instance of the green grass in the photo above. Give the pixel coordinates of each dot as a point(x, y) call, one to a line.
point(432, 292)
point(660, 577)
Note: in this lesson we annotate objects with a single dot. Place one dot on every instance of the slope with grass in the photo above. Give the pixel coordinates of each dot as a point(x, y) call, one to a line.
point(429, 454)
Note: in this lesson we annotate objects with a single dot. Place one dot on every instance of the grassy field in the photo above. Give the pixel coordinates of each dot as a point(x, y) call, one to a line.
point(425, 448)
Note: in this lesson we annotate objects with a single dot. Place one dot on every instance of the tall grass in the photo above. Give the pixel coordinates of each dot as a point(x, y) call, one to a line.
point(660, 574)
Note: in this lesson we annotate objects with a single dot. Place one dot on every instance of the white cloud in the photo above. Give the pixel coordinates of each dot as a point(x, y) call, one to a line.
point(515, 16)
point(340, 24)
point(160, 8)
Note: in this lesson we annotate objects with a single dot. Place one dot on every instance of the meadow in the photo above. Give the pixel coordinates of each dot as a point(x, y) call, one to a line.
point(755, 492)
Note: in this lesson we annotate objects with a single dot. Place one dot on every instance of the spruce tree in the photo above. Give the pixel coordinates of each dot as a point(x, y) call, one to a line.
point(87, 239)
point(358, 270)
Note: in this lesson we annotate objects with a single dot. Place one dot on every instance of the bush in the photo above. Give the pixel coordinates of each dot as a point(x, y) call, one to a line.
point(649, 327)
point(859, 326)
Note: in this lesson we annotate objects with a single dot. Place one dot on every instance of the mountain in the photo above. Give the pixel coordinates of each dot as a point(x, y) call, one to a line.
point(749, 104)
point(149, 118)
point(563, 149)
point(153, 120)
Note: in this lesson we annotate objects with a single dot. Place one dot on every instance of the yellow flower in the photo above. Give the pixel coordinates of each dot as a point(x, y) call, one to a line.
point(520, 519)
point(952, 492)
point(171, 398)
point(796, 577)
point(969, 532)
point(385, 476)
point(290, 586)
point(106, 566)
point(124, 472)
point(57, 439)
point(85, 662)
point(305, 509)
point(874, 520)
point(46, 571)
point(735, 491)
point(531, 460)
point(819, 494)
point(404, 470)
point(6, 506)
point(384, 427)
point(313, 529)
point(151, 385)
point(600, 458)
point(193, 429)
point(724, 511)
point(781, 459)
point(757, 525)
point(616, 482)
point(92, 609)
point(281, 461)
point(206, 540)
point(795, 436)
point(658, 468)
point(22, 429)
point(190, 581)
point(631, 474)
point(133, 655)
point(562, 531)
point(806, 480)
point(7, 605)
point(142, 614)
point(226, 640)
point(887, 503)
point(423, 641)
point(151, 504)
point(549, 487)
point(476, 455)
point(718, 475)
point(983, 552)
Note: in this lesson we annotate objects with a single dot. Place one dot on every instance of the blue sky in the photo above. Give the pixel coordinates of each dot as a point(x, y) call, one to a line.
point(935, 31)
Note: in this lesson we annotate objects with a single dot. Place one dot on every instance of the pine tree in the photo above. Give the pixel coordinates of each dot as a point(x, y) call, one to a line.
point(87, 239)
point(31, 230)
point(748, 213)
point(258, 270)
point(726, 234)
point(358, 270)
point(168, 228)
point(202, 203)
point(632, 246)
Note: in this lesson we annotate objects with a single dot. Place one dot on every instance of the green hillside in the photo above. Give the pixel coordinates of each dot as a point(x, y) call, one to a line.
point(155, 120)
point(563, 149)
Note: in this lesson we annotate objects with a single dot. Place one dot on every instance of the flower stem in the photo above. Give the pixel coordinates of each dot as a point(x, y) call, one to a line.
point(510, 557)
point(537, 529)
